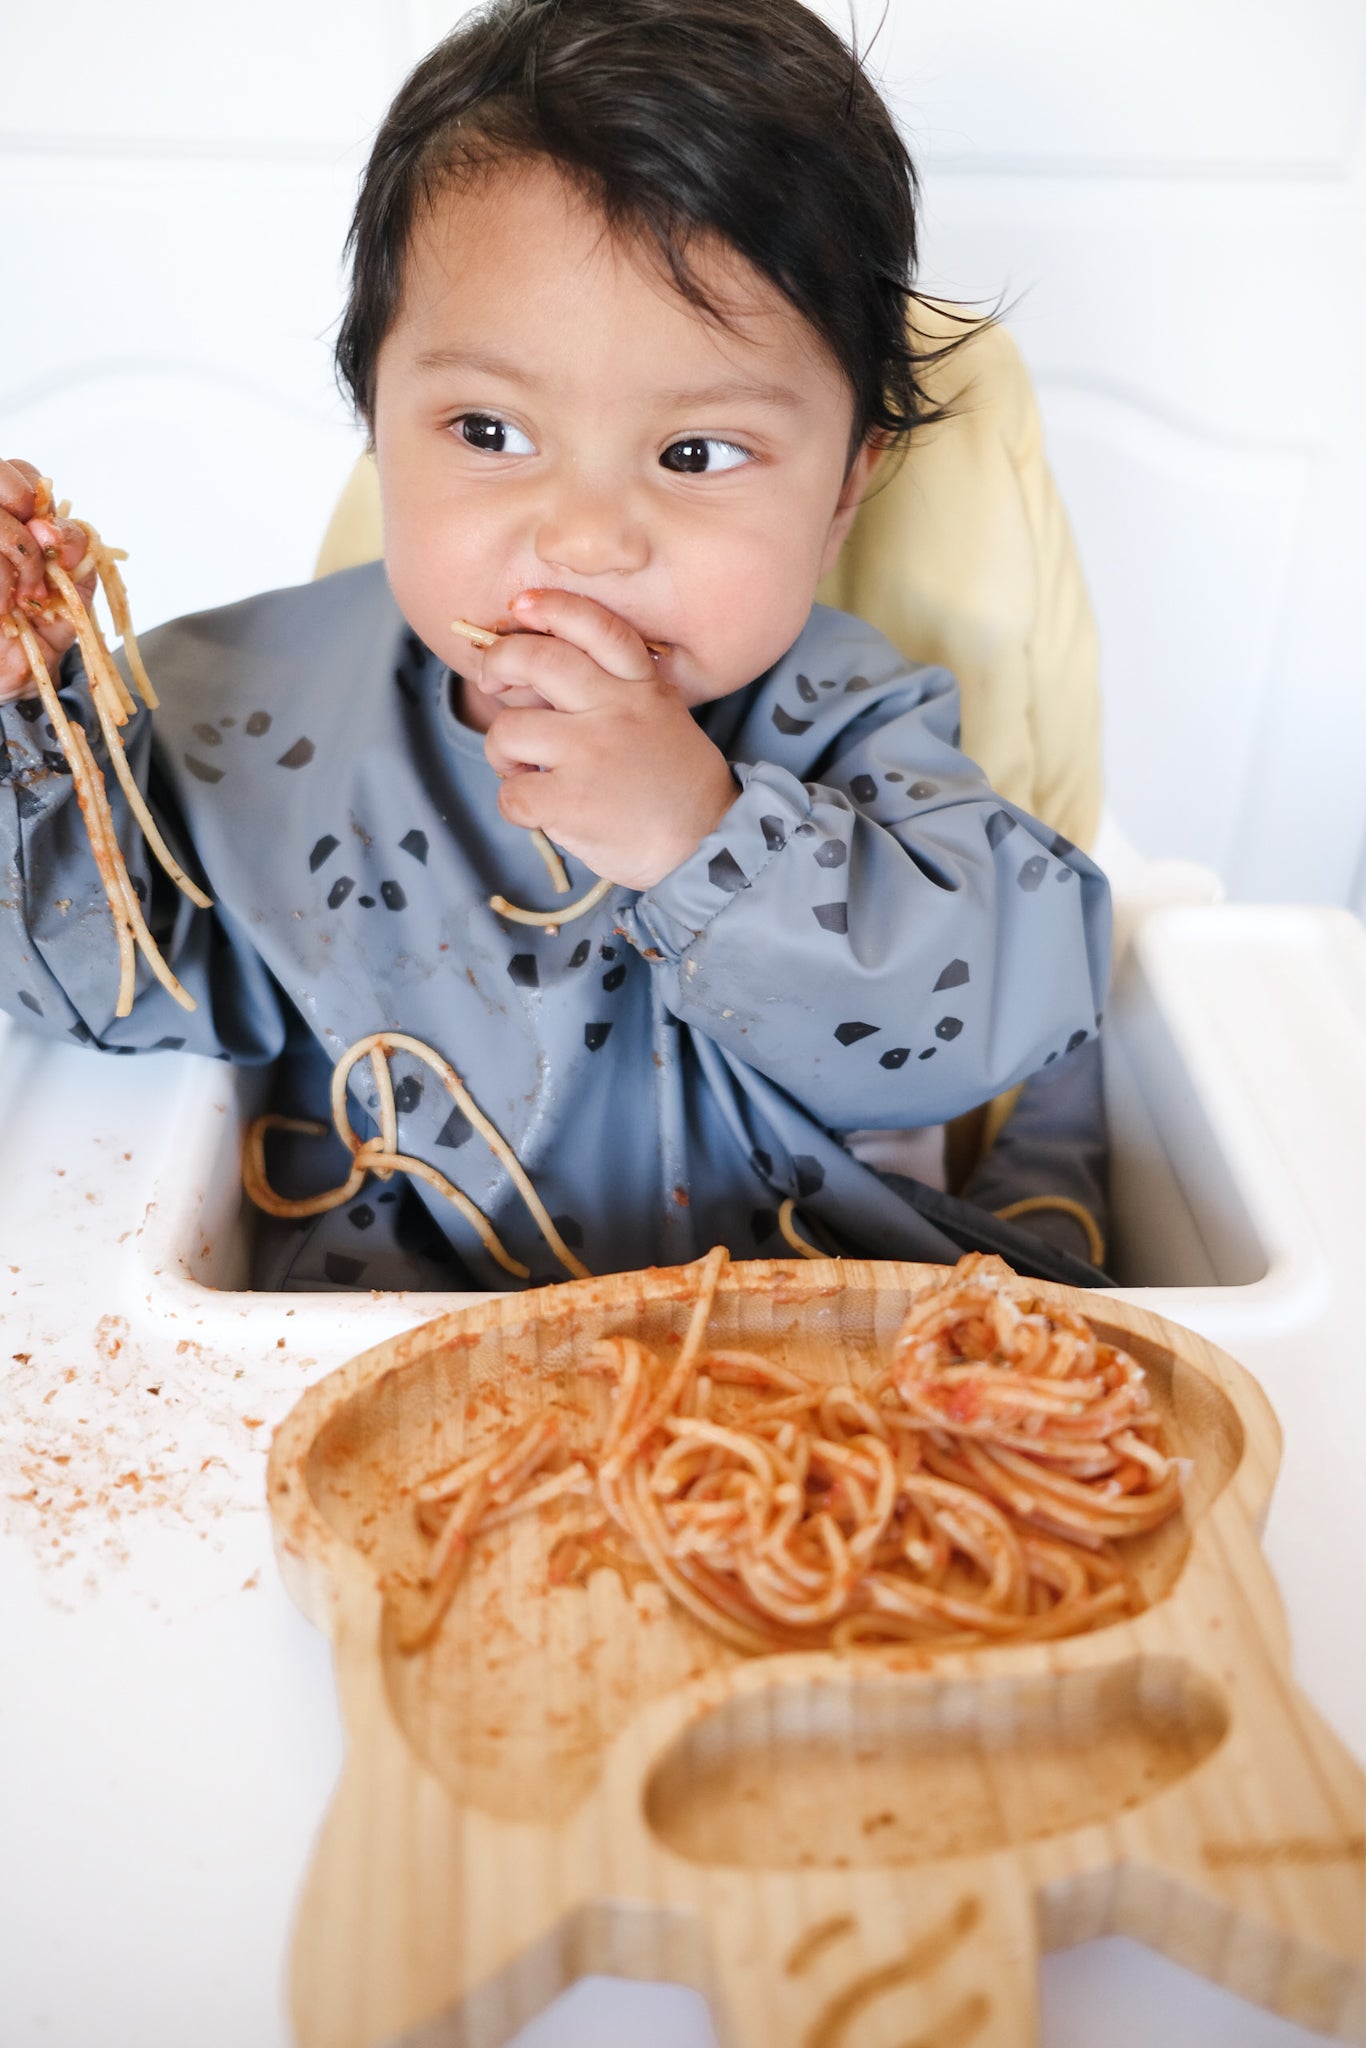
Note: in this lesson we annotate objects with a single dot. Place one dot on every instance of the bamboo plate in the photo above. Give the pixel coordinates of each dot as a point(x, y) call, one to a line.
point(858, 1851)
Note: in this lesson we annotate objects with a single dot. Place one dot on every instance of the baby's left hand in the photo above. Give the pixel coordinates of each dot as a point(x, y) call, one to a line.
point(628, 783)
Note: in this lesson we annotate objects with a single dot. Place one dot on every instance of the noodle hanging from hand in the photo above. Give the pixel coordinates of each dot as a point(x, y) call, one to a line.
point(112, 702)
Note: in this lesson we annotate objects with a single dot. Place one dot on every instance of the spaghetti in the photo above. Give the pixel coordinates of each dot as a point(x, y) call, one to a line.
point(380, 1155)
point(787, 1212)
point(551, 920)
point(112, 703)
point(972, 1491)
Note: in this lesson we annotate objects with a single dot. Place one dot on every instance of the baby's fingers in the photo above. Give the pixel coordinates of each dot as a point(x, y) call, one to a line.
point(67, 540)
point(18, 488)
point(27, 544)
point(26, 536)
point(609, 641)
point(519, 742)
point(21, 564)
point(556, 670)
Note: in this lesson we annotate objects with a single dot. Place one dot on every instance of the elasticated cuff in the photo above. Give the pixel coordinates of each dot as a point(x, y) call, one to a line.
point(772, 804)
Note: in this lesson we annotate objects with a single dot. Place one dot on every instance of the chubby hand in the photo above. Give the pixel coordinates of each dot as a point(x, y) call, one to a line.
point(24, 541)
point(628, 782)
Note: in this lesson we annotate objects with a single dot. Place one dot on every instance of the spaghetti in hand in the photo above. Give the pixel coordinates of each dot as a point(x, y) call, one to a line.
point(40, 618)
point(972, 1491)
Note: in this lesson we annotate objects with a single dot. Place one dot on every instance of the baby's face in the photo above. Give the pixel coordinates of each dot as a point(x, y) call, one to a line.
point(550, 413)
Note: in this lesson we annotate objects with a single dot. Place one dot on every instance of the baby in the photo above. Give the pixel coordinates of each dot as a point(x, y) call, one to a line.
point(628, 326)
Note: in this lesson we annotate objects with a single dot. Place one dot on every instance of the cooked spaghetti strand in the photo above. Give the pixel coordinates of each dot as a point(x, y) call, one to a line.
point(786, 1212)
point(101, 673)
point(551, 920)
point(106, 561)
point(130, 927)
point(554, 866)
point(137, 804)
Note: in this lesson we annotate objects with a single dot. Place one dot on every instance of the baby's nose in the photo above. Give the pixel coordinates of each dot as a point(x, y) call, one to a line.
point(590, 531)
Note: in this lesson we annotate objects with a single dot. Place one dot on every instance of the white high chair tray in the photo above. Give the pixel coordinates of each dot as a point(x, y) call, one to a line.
point(169, 1721)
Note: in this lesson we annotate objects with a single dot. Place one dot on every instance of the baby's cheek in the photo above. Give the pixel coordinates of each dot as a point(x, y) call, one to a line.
point(759, 638)
point(761, 602)
point(401, 567)
point(423, 594)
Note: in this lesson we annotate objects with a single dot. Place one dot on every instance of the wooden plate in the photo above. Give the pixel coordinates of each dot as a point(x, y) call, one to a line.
point(858, 1851)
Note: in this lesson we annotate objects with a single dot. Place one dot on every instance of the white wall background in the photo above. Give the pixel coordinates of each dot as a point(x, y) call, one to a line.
point(1175, 193)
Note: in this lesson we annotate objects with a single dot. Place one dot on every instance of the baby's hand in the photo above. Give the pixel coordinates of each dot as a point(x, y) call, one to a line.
point(629, 783)
point(24, 540)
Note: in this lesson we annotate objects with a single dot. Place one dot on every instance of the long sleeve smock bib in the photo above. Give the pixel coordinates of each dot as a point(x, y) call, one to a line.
point(871, 938)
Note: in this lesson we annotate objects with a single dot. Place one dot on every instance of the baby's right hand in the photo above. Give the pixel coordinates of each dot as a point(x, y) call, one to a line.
point(23, 542)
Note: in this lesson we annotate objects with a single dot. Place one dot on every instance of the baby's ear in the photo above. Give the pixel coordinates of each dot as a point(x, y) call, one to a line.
point(852, 493)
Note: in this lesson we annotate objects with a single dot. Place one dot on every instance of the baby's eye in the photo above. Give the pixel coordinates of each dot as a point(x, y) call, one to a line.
point(702, 454)
point(496, 437)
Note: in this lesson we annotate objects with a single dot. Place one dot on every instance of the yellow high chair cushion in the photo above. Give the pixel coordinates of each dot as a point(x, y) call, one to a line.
point(962, 557)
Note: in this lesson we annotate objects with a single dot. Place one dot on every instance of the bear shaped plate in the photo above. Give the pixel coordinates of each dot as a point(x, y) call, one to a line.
point(861, 1850)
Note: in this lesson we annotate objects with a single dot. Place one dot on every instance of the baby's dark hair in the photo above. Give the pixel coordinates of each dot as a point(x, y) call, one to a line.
point(744, 119)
